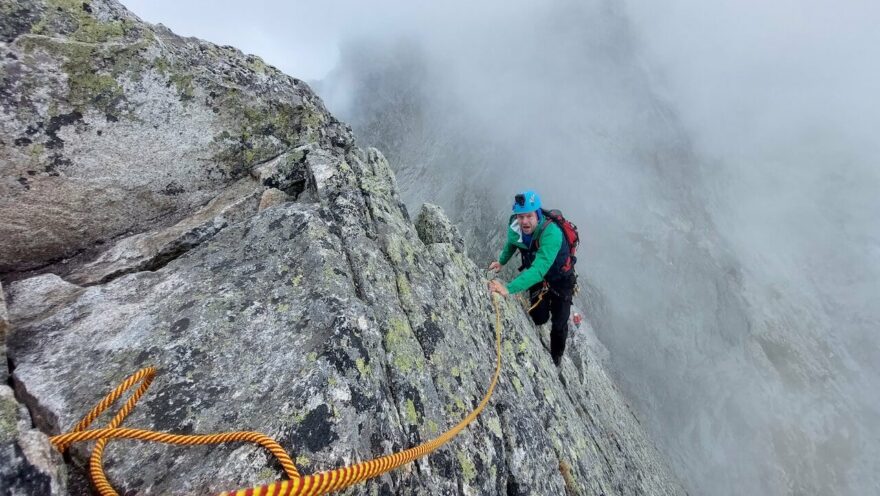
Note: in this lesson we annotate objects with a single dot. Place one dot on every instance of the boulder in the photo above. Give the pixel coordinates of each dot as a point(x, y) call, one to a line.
point(433, 226)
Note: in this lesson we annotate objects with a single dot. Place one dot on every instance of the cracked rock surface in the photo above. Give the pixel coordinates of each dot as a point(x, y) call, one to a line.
point(28, 463)
point(321, 316)
point(111, 126)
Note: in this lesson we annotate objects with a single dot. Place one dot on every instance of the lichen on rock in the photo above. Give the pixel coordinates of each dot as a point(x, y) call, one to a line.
point(86, 95)
point(434, 227)
point(329, 321)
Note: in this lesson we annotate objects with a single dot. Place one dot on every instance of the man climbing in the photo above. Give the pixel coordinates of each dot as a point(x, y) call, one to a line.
point(546, 243)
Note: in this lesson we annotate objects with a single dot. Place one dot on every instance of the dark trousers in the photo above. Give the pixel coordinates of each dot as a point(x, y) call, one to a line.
point(555, 306)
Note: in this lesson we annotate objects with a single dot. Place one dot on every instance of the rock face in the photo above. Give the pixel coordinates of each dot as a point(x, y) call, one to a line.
point(28, 463)
point(434, 227)
point(4, 329)
point(111, 126)
point(323, 317)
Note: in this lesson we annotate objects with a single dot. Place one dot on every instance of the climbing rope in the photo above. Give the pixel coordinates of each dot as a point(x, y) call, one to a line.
point(313, 484)
point(544, 290)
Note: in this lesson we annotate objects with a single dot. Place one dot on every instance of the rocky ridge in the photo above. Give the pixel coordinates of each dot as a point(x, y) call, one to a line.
point(201, 212)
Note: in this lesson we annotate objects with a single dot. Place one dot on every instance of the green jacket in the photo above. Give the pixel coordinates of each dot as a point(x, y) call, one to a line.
point(551, 241)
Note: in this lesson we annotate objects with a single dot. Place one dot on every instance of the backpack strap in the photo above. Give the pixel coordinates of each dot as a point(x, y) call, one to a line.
point(569, 263)
point(547, 222)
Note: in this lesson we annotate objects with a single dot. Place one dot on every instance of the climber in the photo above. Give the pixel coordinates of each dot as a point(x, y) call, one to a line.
point(546, 243)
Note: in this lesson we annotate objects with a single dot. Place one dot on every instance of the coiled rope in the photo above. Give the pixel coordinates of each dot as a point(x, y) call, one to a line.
point(313, 484)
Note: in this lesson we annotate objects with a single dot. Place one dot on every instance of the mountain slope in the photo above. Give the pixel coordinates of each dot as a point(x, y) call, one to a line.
point(287, 291)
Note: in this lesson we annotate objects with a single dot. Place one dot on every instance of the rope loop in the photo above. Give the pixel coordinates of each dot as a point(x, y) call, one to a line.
point(313, 484)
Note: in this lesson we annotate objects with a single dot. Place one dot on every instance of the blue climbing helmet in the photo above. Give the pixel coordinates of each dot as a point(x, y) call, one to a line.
point(525, 202)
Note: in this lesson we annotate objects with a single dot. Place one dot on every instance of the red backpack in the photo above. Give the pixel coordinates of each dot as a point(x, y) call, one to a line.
point(570, 231)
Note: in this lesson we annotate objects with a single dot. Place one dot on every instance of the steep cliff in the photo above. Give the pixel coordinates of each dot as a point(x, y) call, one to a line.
point(168, 202)
point(111, 126)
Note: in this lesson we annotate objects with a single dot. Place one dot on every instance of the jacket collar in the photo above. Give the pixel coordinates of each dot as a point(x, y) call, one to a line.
point(517, 230)
point(515, 227)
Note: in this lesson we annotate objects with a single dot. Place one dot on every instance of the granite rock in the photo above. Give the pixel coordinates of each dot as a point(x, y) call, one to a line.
point(329, 321)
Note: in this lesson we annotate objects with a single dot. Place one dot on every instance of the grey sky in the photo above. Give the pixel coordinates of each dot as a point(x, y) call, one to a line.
point(741, 66)
point(302, 38)
point(299, 38)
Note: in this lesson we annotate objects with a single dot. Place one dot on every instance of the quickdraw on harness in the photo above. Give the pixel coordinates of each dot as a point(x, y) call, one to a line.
point(313, 484)
point(546, 288)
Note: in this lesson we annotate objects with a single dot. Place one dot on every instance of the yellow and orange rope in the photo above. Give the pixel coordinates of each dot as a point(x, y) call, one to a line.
point(313, 484)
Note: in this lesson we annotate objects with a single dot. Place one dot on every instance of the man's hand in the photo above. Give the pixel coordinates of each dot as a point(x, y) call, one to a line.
point(496, 286)
point(495, 266)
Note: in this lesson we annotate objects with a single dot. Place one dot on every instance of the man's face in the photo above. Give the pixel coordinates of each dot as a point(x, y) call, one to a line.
point(527, 222)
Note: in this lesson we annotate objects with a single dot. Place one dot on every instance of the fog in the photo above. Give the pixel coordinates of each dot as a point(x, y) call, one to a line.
point(720, 160)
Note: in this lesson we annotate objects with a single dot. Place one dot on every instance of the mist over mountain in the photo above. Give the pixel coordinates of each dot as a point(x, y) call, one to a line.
point(725, 187)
